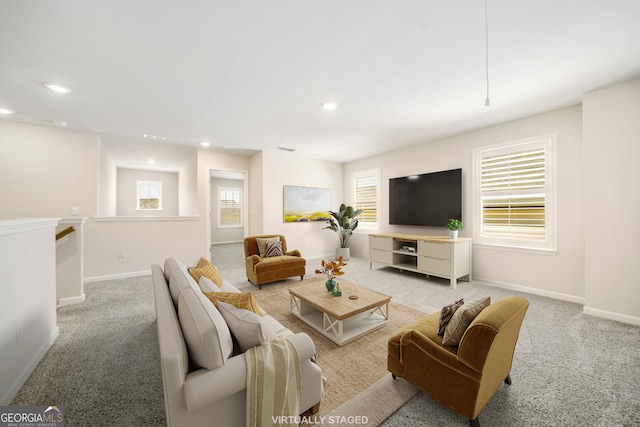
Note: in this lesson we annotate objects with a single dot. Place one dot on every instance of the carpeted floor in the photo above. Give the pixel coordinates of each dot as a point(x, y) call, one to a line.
point(569, 369)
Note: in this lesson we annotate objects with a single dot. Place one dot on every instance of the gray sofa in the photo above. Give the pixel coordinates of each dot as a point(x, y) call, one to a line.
point(204, 380)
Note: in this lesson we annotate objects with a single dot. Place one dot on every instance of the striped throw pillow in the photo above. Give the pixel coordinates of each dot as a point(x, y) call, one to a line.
point(205, 268)
point(273, 249)
point(244, 300)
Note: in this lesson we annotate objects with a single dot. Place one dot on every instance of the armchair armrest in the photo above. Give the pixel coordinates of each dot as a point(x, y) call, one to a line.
point(432, 350)
point(252, 260)
point(294, 252)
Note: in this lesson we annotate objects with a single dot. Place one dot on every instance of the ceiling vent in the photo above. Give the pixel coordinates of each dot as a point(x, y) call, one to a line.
point(285, 148)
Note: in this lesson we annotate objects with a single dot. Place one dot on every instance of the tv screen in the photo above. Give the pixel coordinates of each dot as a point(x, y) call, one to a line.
point(429, 199)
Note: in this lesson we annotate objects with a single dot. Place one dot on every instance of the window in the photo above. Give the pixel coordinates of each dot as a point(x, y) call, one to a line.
point(229, 207)
point(514, 194)
point(149, 196)
point(365, 193)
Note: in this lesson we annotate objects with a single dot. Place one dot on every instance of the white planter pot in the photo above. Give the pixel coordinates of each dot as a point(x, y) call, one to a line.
point(453, 234)
point(344, 252)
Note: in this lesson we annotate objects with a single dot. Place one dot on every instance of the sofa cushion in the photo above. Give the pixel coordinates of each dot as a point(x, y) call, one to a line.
point(249, 329)
point(262, 244)
point(243, 300)
point(178, 281)
point(206, 333)
point(205, 268)
point(446, 313)
point(170, 265)
point(461, 320)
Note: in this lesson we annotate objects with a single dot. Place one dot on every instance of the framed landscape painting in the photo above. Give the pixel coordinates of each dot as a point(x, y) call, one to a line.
point(304, 204)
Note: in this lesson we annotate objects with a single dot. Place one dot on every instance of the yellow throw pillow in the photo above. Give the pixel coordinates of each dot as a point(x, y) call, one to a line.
point(244, 300)
point(205, 268)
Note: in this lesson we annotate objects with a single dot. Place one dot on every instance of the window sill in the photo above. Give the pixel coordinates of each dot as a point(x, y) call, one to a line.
point(144, 218)
point(537, 251)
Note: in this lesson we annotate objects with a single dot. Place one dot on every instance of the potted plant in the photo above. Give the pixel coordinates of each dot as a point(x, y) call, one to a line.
point(344, 222)
point(453, 225)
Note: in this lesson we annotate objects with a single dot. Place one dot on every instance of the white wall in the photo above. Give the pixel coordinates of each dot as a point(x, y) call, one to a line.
point(106, 182)
point(612, 208)
point(127, 192)
point(28, 303)
point(560, 275)
point(188, 188)
point(280, 169)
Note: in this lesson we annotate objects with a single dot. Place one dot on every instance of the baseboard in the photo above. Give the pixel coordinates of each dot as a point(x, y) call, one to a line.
point(116, 276)
point(596, 312)
point(8, 394)
point(534, 291)
point(227, 242)
point(71, 300)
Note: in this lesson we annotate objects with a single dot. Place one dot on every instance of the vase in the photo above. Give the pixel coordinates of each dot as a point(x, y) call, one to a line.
point(345, 253)
point(331, 285)
point(453, 234)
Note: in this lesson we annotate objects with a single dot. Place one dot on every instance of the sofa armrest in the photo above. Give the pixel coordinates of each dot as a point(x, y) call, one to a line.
point(303, 344)
point(294, 252)
point(203, 387)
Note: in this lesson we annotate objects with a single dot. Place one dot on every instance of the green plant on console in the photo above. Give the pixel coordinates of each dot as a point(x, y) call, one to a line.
point(344, 222)
point(454, 224)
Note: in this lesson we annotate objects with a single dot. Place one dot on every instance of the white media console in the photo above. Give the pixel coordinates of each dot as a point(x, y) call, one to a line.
point(432, 255)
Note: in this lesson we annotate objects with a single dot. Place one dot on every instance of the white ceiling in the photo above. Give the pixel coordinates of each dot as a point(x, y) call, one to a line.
point(250, 75)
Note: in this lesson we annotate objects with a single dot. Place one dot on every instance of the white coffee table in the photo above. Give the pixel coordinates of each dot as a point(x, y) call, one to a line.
point(340, 319)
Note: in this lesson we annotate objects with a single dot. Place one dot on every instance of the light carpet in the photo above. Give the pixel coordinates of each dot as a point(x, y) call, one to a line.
point(352, 368)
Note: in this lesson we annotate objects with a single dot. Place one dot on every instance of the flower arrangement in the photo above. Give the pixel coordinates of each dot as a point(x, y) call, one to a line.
point(331, 269)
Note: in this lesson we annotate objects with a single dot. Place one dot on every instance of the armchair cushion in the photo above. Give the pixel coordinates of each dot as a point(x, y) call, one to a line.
point(446, 313)
point(273, 249)
point(461, 319)
point(262, 244)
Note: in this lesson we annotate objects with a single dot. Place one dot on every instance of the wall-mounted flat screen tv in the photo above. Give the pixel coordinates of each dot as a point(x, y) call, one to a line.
point(429, 199)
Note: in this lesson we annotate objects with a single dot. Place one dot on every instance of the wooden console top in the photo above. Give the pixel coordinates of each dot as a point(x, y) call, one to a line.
point(415, 237)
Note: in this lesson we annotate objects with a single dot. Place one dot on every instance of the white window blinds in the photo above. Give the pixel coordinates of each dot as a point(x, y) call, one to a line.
point(365, 193)
point(229, 208)
point(515, 203)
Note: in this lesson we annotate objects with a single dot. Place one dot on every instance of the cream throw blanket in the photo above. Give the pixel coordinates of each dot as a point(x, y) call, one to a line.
point(273, 383)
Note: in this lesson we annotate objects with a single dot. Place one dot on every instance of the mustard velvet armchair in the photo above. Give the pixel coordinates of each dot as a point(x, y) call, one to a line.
point(462, 378)
point(267, 270)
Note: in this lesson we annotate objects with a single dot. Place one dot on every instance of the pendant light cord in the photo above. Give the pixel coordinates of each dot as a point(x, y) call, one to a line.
point(486, 40)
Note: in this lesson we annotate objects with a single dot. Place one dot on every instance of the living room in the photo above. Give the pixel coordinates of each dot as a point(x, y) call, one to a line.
point(53, 169)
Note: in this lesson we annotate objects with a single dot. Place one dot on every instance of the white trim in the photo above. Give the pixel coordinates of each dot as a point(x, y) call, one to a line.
point(144, 218)
point(71, 300)
point(20, 225)
point(534, 291)
point(35, 358)
point(506, 248)
point(596, 312)
point(117, 276)
point(227, 242)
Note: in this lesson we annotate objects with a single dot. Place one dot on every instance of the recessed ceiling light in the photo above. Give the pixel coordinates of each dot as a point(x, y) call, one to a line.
point(5, 111)
point(151, 161)
point(205, 143)
point(60, 123)
point(57, 88)
point(329, 105)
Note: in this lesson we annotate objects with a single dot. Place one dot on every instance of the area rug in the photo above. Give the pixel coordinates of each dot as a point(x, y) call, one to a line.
point(352, 371)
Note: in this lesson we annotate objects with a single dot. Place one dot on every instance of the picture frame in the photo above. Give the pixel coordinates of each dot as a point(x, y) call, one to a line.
point(306, 204)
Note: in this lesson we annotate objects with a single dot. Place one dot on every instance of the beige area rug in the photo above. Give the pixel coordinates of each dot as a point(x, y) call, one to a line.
point(357, 381)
